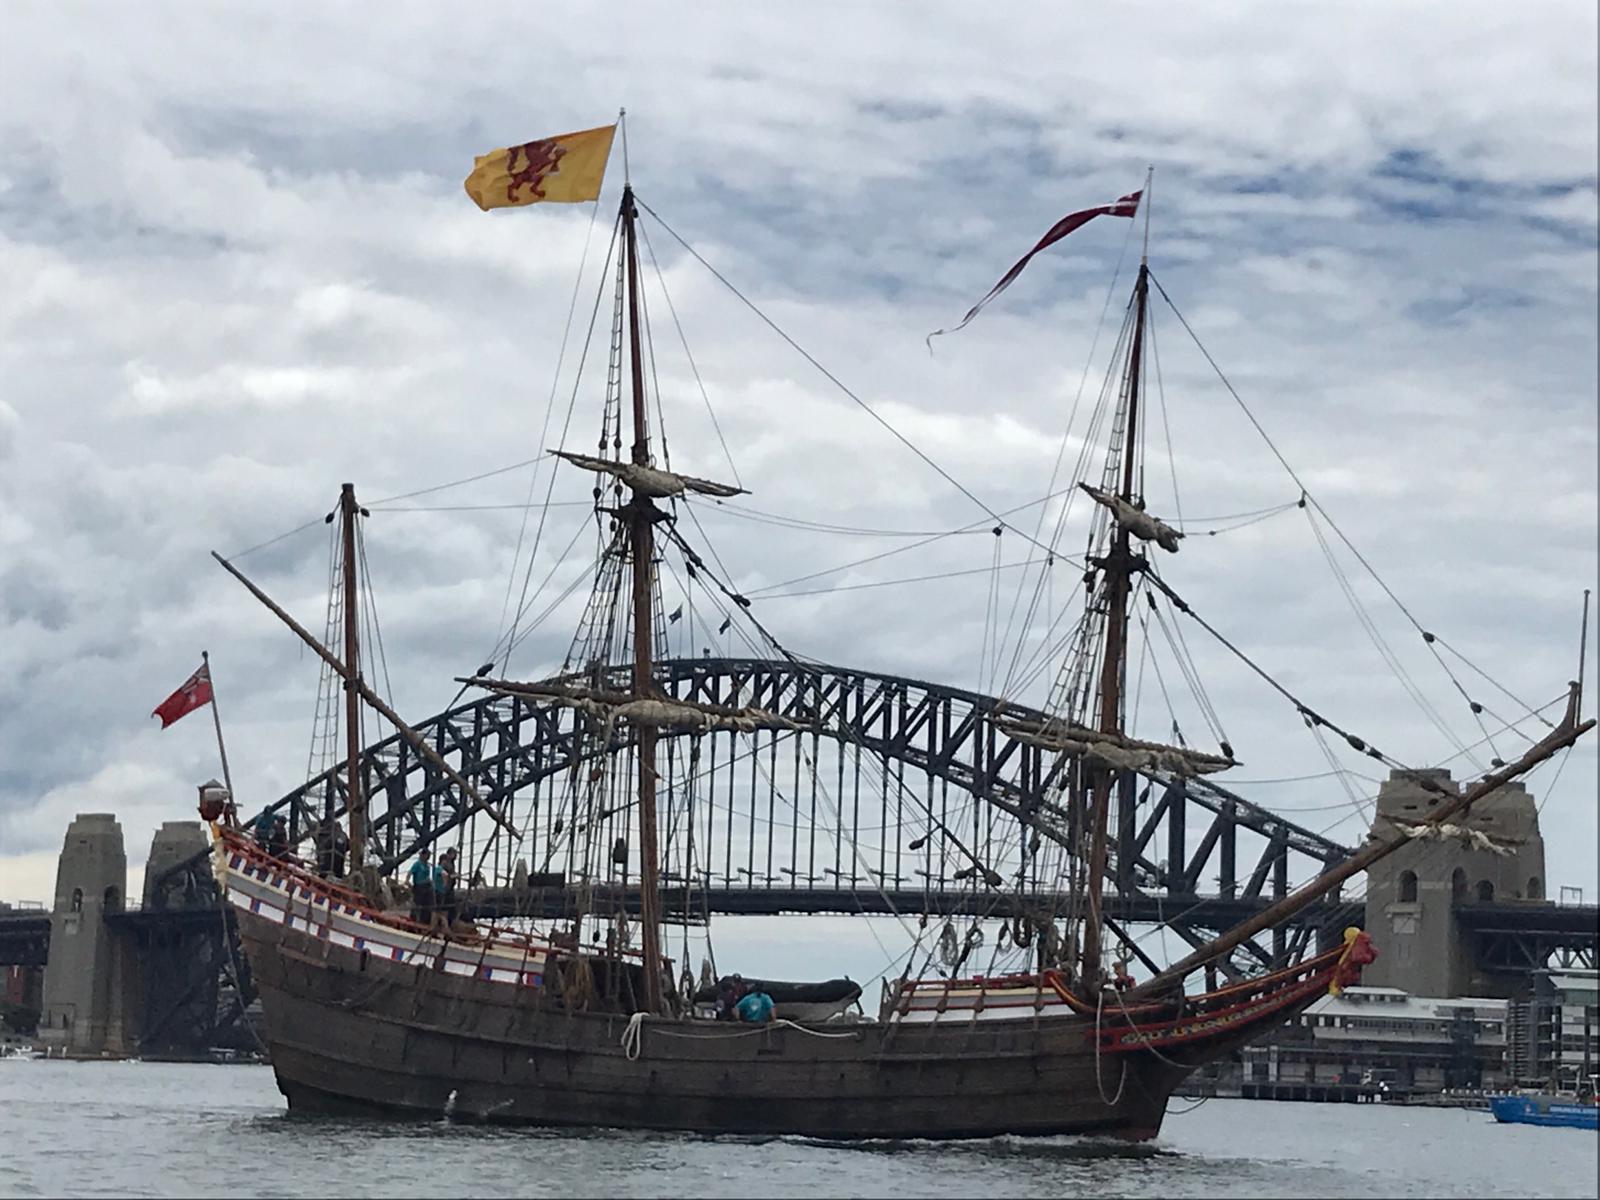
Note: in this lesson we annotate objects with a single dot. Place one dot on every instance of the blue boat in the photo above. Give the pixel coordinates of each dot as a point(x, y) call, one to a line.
point(1543, 1108)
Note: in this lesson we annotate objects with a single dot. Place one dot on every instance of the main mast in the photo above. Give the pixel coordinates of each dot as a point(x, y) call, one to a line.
point(355, 802)
point(641, 514)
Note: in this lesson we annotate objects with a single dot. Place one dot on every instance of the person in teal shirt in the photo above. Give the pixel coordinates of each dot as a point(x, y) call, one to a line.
point(422, 891)
point(756, 1008)
point(263, 828)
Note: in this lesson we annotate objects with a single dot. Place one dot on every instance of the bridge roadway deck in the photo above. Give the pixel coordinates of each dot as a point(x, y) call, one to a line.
point(744, 900)
point(25, 936)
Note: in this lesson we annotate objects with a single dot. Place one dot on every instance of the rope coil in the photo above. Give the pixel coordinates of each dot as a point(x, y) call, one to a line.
point(754, 1029)
point(1122, 1079)
point(633, 1036)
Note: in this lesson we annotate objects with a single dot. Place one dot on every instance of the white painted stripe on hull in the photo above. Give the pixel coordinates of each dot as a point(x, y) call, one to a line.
point(277, 899)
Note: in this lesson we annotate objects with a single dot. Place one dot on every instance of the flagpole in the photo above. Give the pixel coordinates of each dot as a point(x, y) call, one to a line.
point(627, 176)
point(216, 720)
point(1149, 184)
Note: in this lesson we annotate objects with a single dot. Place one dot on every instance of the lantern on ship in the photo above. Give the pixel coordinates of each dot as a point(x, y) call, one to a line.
point(214, 800)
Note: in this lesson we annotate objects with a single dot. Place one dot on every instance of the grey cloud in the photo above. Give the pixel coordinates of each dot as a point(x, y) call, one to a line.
point(248, 273)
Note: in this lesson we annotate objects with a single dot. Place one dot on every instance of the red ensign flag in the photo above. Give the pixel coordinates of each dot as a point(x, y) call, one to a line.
point(195, 693)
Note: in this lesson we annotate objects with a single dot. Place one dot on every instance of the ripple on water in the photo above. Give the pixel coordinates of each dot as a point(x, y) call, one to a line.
point(159, 1129)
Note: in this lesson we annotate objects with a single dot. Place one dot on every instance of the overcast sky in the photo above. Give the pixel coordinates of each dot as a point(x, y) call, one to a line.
point(239, 269)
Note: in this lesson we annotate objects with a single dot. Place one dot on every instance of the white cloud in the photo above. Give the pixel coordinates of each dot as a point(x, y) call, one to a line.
point(241, 271)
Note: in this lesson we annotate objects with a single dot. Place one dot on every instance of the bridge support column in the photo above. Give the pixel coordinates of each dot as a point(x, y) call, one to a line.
point(86, 979)
point(174, 842)
point(1412, 894)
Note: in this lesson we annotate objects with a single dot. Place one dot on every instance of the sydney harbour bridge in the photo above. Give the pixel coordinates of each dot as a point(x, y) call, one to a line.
point(823, 818)
point(827, 816)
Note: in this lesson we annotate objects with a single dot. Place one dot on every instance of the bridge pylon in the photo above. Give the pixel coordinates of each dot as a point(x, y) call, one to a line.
point(1414, 896)
point(87, 980)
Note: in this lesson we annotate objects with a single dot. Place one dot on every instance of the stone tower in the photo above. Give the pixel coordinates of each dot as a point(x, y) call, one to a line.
point(1412, 894)
point(84, 984)
point(174, 842)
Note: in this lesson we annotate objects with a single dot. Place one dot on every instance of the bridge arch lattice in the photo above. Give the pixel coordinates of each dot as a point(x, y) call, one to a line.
point(790, 813)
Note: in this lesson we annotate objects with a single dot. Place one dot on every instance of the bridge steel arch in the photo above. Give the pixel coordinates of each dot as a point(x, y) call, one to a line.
point(1175, 838)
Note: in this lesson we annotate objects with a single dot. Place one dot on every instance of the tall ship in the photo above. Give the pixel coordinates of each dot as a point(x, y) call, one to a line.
point(548, 992)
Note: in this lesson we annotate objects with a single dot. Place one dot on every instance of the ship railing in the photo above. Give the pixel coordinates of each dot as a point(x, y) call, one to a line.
point(261, 865)
point(1230, 998)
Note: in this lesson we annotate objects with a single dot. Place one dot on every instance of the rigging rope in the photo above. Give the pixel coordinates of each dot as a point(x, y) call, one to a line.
point(1356, 743)
point(566, 426)
point(1061, 449)
point(975, 526)
point(274, 541)
point(454, 483)
point(1097, 418)
point(374, 629)
point(437, 508)
point(1166, 424)
point(694, 559)
point(1122, 1079)
point(693, 368)
point(1428, 637)
point(1377, 639)
point(834, 379)
point(549, 407)
point(787, 522)
point(763, 593)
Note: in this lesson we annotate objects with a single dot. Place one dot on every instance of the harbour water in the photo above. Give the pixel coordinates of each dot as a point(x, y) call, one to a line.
point(157, 1129)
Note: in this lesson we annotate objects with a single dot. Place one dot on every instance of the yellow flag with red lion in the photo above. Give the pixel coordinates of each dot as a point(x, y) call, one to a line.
point(560, 170)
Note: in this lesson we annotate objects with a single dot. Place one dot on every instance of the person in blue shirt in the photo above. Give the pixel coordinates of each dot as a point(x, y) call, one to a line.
point(422, 893)
point(263, 828)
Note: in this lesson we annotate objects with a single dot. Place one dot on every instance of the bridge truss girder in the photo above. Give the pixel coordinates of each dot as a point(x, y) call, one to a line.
point(514, 749)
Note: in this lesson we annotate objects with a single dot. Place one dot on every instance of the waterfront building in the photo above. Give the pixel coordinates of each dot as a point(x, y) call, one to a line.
point(1555, 1032)
point(1384, 1035)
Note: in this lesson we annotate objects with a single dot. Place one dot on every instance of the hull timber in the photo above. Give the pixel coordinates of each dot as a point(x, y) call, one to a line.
point(413, 1040)
point(366, 1015)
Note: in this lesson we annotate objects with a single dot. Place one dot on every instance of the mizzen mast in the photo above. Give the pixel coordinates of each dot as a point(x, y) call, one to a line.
point(641, 515)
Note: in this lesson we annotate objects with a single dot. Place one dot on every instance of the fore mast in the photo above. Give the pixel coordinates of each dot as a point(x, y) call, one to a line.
point(355, 802)
point(1117, 570)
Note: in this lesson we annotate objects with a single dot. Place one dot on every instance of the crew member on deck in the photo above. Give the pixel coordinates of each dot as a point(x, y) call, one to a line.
point(422, 889)
point(730, 990)
point(444, 887)
point(755, 1008)
point(331, 845)
point(278, 842)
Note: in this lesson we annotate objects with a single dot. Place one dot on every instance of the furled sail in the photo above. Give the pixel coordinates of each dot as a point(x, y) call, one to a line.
point(651, 481)
point(1115, 750)
point(1472, 839)
point(662, 713)
point(1136, 521)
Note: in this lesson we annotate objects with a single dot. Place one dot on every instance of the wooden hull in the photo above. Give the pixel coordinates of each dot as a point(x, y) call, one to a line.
point(367, 1014)
point(412, 1040)
point(350, 1034)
